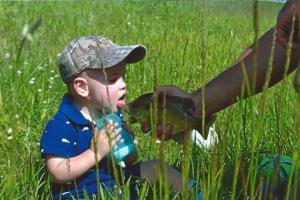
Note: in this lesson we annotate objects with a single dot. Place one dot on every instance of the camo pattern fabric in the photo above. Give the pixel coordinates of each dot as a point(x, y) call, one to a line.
point(95, 52)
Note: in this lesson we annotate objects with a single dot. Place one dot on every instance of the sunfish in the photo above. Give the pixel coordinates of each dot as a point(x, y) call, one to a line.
point(176, 111)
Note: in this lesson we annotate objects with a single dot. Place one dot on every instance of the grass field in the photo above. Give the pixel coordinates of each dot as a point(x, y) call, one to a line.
point(188, 44)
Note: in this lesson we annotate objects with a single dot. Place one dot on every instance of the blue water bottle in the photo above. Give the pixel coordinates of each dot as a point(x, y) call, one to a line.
point(125, 146)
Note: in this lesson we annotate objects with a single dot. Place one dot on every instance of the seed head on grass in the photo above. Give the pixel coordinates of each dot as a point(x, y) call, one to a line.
point(27, 34)
point(28, 30)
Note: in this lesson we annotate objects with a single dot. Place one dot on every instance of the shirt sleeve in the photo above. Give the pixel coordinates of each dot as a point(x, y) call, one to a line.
point(57, 138)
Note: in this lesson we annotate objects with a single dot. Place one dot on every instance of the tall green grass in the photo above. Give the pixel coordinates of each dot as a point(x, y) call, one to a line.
point(188, 44)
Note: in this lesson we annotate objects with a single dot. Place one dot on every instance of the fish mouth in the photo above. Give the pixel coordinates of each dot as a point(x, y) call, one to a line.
point(131, 118)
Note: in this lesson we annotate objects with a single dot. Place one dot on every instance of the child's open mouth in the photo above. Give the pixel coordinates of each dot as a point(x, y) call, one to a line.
point(121, 102)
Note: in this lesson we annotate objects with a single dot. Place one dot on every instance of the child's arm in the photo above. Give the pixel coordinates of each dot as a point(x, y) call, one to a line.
point(66, 169)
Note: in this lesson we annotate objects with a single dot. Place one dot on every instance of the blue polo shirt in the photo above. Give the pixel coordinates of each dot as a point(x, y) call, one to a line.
point(68, 134)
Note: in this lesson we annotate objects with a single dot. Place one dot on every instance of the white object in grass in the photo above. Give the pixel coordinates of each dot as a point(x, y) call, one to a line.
point(211, 140)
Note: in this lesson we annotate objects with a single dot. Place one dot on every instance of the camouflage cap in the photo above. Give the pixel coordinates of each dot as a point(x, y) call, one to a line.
point(95, 52)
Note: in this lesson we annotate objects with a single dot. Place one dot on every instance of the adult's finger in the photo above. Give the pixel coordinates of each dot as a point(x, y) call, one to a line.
point(164, 133)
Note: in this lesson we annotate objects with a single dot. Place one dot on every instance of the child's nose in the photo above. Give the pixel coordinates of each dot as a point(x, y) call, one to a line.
point(122, 84)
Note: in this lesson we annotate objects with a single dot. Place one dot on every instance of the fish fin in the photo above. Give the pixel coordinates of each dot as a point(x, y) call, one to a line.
point(146, 96)
point(142, 98)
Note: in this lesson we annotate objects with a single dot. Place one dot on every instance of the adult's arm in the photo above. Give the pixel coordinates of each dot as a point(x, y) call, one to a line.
point(226, 88)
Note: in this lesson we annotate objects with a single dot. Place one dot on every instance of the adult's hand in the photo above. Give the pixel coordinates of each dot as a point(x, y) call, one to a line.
point(165, 132)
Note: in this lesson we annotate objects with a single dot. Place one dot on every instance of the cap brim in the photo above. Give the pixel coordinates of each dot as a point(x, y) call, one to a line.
point(129, 54)
point(137, 53)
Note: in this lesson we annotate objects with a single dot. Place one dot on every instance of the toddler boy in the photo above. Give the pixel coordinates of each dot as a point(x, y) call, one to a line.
point(93, 68)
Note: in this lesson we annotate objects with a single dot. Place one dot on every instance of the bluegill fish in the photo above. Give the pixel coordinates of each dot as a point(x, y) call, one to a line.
point(176, 111)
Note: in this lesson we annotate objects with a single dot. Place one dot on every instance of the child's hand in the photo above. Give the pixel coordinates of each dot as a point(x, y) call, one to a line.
point(105, 139)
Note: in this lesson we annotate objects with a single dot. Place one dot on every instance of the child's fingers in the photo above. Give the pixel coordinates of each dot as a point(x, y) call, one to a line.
point(111, 125)
point(114, 137)
point(111, 131)
point(116, 140)
point(114, 133)
point(109, 128)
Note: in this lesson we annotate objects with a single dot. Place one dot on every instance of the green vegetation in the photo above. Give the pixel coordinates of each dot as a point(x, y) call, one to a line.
point(188, 44)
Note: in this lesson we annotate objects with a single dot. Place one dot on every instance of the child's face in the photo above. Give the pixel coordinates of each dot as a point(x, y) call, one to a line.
point(107, 89)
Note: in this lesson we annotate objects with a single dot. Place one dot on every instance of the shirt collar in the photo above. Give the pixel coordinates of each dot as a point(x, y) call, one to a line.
point(68, 107)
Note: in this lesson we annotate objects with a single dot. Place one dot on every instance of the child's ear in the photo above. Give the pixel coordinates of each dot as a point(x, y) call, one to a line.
point(81, 87)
